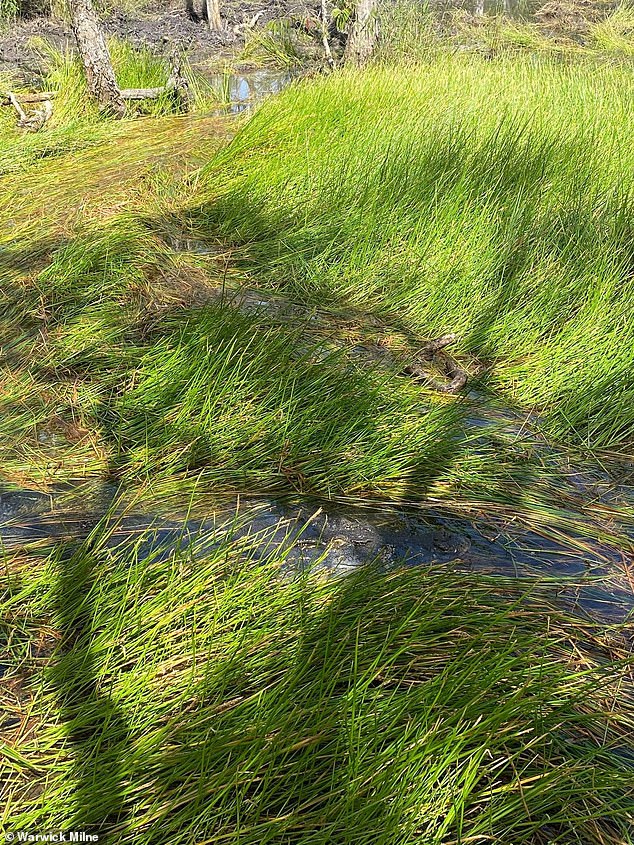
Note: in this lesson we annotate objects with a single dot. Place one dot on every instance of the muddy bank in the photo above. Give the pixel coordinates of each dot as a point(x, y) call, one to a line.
point(170, 24)
point(166, 26)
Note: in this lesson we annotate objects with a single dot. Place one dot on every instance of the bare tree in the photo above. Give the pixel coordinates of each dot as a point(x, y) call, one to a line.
point(214, 20)
point(364, 33)
point(93, 50)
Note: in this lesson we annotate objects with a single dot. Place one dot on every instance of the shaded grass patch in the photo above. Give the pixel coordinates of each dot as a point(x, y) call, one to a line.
point(489, 199)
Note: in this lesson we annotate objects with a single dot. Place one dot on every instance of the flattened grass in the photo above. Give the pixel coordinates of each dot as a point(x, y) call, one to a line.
point(203, 697)
point(76, 123)
point(393, 200)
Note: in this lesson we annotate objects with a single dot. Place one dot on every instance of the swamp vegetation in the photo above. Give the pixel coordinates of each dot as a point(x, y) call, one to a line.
point(208, 307)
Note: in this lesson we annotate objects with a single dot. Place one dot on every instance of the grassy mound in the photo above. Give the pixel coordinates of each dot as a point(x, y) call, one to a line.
point(490, 199)
point(184, 697)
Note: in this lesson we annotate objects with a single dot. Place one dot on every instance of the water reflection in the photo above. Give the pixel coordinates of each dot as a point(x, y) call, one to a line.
point(513, 8)
point(240, 91)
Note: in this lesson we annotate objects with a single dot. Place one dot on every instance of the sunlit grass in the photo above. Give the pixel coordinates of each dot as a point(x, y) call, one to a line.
point(615, 34)
point(443, 209)
point(488, 199)
point(76, 122)
point(277, 45)
point(171, 696)
point(213, 695)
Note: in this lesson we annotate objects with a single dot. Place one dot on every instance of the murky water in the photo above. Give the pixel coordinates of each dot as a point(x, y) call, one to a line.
point(585, 540)
point(334, 539)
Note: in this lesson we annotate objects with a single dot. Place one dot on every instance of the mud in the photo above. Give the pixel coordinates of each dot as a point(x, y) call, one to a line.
point(170, 25)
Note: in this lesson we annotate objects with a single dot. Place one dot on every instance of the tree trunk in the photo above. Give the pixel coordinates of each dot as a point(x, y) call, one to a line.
point(214, 20)
point(102, 84)
point(325, 31)
point(364, 33)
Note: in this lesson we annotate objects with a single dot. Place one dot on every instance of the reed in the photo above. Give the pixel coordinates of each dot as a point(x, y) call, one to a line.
point(491, 199)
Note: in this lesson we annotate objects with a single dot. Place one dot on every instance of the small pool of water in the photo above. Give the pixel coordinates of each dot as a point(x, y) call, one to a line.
point(241, 91)
point(519, 9)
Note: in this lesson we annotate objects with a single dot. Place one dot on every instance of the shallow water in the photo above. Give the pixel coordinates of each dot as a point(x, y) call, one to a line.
point(520, 9)
point(241, 91)
point(334, 539)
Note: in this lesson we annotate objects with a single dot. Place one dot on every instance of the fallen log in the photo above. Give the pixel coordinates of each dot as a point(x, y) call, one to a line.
point(27, 98)
point(36, 118)
point(177, 86)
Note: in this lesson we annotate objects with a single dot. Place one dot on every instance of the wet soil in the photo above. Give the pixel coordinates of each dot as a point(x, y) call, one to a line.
point(170, 24)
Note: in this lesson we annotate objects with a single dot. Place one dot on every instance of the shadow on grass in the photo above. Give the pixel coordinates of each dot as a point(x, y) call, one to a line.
point(97, 728)
point(388, 711)
point(311, 720)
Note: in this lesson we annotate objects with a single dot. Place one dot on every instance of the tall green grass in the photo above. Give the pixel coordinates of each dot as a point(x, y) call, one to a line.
point(259, 406)
point(492, 199)
point(615, 34)
point(398, 204)
point(212, 694)
point(407, 31)
point(246, 399)
point(389, 213)
point(184, 697)
point(9, 10)
point(276, 45)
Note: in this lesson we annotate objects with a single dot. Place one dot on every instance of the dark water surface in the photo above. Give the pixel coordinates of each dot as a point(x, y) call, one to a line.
point(335, 539)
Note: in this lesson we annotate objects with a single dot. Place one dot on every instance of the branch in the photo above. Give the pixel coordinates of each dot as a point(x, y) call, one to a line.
point(13, 100)
point(35, 119)
point(27, 98)
point(324, 34)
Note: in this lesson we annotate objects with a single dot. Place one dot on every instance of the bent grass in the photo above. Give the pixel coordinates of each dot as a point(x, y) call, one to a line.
point(481, 232)
point(492, 199)
point(177, 695)
point(196, 694)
